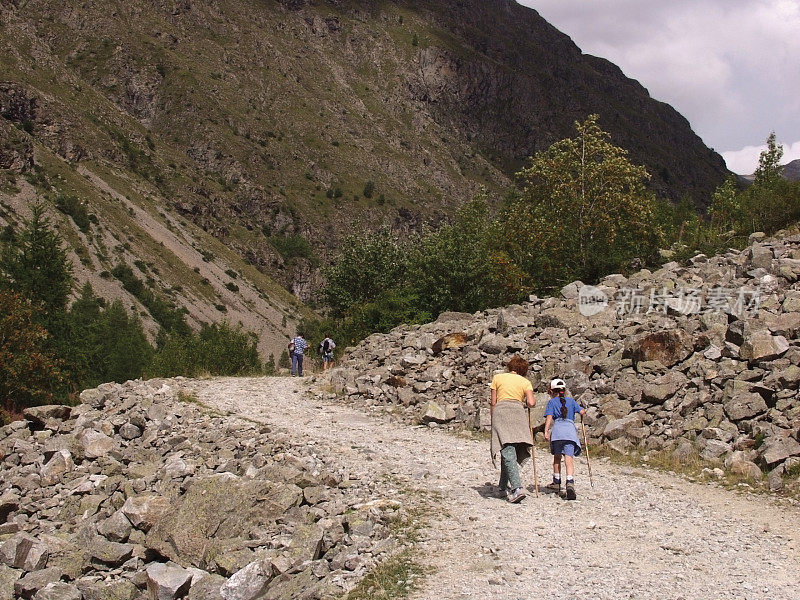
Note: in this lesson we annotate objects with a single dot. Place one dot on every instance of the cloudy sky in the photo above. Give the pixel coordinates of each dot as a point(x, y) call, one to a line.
point(732, 67)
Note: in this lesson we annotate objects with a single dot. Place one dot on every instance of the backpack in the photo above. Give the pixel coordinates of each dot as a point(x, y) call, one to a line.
point(326, 346)
point(291, 347)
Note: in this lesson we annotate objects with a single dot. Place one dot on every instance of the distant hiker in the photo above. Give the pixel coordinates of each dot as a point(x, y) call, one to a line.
point(297, 346)
point(326, 347)
point(560, 431)
point(510, 392)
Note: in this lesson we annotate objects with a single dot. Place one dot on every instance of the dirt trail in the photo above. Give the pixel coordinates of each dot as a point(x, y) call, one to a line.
point(637, 534)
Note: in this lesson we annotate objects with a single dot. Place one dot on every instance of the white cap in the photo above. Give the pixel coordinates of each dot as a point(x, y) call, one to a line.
point(558, 384)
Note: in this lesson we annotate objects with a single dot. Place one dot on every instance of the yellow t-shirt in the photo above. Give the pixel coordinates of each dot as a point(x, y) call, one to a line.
point(511, 386)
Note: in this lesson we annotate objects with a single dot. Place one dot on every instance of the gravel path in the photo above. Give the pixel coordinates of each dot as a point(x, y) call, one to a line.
point(637, 534)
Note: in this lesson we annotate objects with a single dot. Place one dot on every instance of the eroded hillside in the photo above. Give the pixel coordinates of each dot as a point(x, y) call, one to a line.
point(278, 127)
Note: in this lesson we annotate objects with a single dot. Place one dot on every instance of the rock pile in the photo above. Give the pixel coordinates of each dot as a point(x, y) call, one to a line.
point(702, 357)
point(137, 493)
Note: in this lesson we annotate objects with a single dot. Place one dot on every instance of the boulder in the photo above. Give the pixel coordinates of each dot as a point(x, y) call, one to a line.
point(9, 503)
point(109, 553)
point(55, 468)
point(746, 468)
point(59, 590)
point(788, 377)
point(23, 551)
point(145, 511)
point(249, 583)
point(39, 415)
point(494, 344)
point(571, 290)
point(30, 584)
point(663, 388)
point(745, 405)
point(613, 407)
point(410, 361)
point(306, 542)
point(785, 324)
point(95, 444)
point(116, 528)
point(760, 257)
point(451, 341)
point(791, 302)
point(432, 412)
point(217, 512)
point(167, 581)
point(762, 346)
point(129, 431)
point(777, 449)
point(714, 449)
point(112, 589)
point(206, 586)
point(622, 427)
point(667, 347)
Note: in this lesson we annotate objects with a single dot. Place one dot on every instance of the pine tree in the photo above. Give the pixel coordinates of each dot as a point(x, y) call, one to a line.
point(769, 172)
point(35, 264)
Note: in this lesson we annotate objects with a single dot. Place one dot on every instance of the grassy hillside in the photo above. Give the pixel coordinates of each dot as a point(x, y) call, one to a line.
point(223, 149)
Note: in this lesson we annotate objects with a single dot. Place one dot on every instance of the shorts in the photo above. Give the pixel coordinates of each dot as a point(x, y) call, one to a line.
point(565, 447)
point(327, 357)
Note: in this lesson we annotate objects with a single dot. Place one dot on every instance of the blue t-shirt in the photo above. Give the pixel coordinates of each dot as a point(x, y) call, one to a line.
point(299, 345)
point(563, 429)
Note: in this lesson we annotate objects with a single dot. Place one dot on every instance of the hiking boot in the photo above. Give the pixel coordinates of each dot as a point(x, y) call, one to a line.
point(517, 495)
point(501, 492)
point(571, 490)
point(556, 487)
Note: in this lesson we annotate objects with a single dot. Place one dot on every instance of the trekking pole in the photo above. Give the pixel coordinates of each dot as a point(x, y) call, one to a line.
point(533, 454)
point(586, 444)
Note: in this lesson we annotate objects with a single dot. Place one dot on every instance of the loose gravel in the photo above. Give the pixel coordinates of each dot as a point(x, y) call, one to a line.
point(638, 533)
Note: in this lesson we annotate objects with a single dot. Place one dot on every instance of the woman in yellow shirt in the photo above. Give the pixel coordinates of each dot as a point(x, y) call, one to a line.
point(510, 393)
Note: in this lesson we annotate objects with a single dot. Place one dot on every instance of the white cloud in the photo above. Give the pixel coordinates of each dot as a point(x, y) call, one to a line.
point(729, 66)
point(745, 161)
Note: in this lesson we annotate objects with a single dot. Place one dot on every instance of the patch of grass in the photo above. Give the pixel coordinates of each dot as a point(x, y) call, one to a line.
point(694, 468)
point(396, 577)
point(401, 574)
point(188, 397)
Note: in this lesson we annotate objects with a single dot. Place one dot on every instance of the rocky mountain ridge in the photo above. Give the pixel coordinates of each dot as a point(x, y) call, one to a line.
point(700, 359)
point(253, 130)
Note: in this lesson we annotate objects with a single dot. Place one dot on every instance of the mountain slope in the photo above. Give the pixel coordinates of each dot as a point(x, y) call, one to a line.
point(265, 123)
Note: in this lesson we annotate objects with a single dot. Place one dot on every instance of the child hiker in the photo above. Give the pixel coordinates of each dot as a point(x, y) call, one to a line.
point(560, 431)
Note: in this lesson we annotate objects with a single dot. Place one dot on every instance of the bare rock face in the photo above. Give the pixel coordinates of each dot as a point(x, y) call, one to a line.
point(16, 151)
point(17, 104)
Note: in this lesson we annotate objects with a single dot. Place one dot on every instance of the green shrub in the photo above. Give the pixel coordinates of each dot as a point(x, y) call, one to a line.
point(369, 189)
point(71, 206)
point(291, 246)
point(104, 345)
point(215, 350)
point(162, 311)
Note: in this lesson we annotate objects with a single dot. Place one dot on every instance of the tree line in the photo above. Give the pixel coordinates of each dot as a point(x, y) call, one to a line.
point(51, 349)
point(582, 210)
